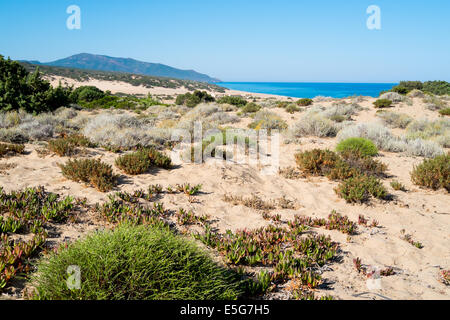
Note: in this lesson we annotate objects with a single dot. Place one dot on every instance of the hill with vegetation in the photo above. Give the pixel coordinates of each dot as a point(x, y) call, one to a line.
point(133, 79)
point(128, 65)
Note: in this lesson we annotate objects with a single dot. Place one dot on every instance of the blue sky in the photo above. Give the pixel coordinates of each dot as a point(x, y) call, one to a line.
point(246, 40)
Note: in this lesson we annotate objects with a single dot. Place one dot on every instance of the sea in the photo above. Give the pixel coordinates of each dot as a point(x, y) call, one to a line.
point(310, 89)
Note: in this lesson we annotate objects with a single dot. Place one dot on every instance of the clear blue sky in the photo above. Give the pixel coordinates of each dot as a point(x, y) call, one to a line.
point(246, 40)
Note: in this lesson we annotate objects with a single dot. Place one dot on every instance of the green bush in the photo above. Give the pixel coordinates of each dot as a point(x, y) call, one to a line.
point(364, 164)
point(445, 112)
point(21, 90)
point(433, 173)
point(305, 102)
point(66, 146)
point(91, 172)
point(437, 87)
point(361, 145)
point(433, 87)
point(233, 100)
point(382, 103)
point(292, 108)
point(86, 94)
point(192, 99)
point(251, 107)
point(11, 149)
point(398, 186)
point(359, 189)
point(316, 161)
point(61, 147)
point(141, 161)
point(136, 263)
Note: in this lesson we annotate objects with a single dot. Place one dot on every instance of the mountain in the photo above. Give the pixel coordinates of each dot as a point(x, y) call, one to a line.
point(128, 65)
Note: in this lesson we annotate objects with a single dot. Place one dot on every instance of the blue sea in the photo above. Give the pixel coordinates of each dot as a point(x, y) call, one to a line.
point(310, 89)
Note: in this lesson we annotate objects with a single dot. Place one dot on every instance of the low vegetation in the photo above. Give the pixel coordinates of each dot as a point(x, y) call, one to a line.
point(361, 145)
point(66, 146)
point(382, 103)
point(190, 100)
point(137, 263)
point(92, 172)
point(433, 173)
point(141, 161)
point(233, 100)
point(358, 174)
point(7, 149)
point(29, 211)
point(305, 102)
point(431, 87)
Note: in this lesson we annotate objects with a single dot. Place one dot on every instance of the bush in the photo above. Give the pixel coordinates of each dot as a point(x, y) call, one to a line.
point(136, 263)
point(359, 189)
point(386, 141)
point(268, 121)
point(21, 90)
point(393, 96)
point(66, 146)
point(382, 103)
point(251, 107)
point(433, 173)
point(364, 164)
point(233, 100)
point(91, 172)
point(437, 87)
point(305, 102)
point(395, 120)
point(292, 108)
point(11, 149)
point(61, 147)
point(314, 125)
point(361, 145)
point(445, 112)
point(191, 100)
point(398, 186)
point(86, 94)
point(316, 161)
point(141, 161)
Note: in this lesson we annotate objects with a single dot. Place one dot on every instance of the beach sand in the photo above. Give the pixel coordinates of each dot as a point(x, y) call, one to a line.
point(423, 213)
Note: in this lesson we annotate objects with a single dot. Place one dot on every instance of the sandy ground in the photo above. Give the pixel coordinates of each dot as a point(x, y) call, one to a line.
point(422, 213)
point(123, 87)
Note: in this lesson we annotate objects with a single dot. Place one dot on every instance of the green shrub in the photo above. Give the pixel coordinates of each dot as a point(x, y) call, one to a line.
point(398, 186)
point(61, 147)
point(86, 94)
point(233, 100)
point(141, 161)
point(268, 121)
point(11, 149)
point(437, 87)
point(192, 99)
point(91, 172)
point(251, 107)
point(359, 189)
point(316, 161)
point(433, 173)
point(382, 103)
point(445, 112)
point(305, 102)
point(20, 89)
point(292, 108)
point(361, 145)
point(158, 159)
point(364, 164)
point(66, 146)
point(134, 163)
point(136, 263)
